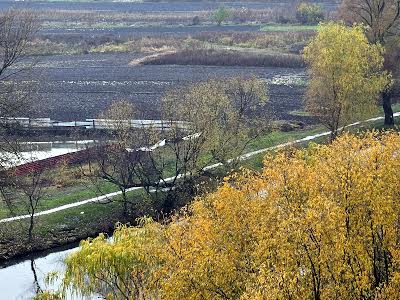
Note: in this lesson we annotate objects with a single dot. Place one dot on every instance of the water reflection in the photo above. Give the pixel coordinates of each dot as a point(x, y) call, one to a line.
point(38, 289)
point(25, 279)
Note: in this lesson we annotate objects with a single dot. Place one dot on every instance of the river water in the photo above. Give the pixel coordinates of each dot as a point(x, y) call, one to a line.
point(20, 280)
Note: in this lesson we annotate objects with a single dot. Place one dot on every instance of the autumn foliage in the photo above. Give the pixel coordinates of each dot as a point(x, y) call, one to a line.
point(319, 223)
point(346, 75)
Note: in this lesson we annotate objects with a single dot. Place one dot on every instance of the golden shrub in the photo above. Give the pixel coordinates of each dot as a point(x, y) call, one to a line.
point(319, 223)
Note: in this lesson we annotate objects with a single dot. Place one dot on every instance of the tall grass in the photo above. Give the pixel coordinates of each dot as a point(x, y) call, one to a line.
point(212, 57)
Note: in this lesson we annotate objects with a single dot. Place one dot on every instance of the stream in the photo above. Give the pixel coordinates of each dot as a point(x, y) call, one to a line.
point(21, 280)
point(28, 275)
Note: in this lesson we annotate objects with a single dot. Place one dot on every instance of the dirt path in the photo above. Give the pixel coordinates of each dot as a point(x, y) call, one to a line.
point(243, 157)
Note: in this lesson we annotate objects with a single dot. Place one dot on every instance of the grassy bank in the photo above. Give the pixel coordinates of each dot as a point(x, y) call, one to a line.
point(76, 223)
point(67, 185)
point(288, 27)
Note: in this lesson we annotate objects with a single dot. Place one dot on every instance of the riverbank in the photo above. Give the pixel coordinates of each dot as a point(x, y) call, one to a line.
point(89, 219)
point(77, 223)
point(70, 230)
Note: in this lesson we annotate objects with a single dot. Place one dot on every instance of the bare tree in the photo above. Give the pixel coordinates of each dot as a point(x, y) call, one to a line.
point(120, 158)
point(22, 195)
point(17, 28)
point(209, 123)
point(382, 20)
point(32, 189)
point(380, 16)
point(202, 124)
point(224, 116)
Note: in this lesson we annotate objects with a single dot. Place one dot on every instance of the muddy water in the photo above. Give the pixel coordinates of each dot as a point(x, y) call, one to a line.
point(21, 280)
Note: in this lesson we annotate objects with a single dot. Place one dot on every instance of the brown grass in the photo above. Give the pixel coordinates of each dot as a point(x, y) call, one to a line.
point(212, 57)
point(262, 40)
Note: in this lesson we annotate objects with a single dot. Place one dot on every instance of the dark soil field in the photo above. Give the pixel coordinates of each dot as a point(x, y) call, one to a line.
point(75, 87)
point(79, 86)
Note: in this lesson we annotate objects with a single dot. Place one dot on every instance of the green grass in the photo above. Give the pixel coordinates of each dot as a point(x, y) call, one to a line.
point(87, 220)
point(74, 194)
point(288, 27)
point(55, 197)
point(84, 214)
point(280, 137)
point(276, 138)
point(60, 196)
point(76, 217)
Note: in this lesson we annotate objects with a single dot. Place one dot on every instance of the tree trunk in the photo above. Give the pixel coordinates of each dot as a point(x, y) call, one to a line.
point(35, 278)
point(31, 220)
point(30, 230)
point(387, 108)
point(334, 132)
point(125, 202)
point(333, 136)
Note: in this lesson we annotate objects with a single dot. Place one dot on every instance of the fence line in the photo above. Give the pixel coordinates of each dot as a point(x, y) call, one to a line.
point(108, 124)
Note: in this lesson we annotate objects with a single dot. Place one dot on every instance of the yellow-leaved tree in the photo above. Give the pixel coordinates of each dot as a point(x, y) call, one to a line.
point(319, 223)
point(345, 75)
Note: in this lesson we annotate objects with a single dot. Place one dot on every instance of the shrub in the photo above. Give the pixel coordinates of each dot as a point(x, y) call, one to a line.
point(196, 20)
point(309, 13)
point(221, 14)
point(321, 223)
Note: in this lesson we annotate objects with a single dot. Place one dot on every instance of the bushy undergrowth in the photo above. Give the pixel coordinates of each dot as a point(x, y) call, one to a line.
point(80, 44)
